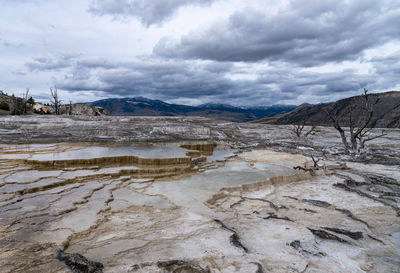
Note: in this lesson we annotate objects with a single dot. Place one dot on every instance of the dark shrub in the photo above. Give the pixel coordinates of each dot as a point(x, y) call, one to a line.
point(4, 106)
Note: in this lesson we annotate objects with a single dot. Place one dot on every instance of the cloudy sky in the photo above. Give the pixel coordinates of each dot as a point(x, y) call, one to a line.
point(253, 52)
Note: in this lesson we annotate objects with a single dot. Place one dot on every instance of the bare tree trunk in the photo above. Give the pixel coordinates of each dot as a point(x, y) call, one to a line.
point(358, 127)
point(297, 129)
point(312, 129)
point(344, 139)
point(335, 120)
point(25, 101)
point(55, 100)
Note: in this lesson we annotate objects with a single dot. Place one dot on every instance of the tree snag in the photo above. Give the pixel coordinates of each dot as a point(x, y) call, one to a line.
point(359, 127)
point(55, 101)
point(298, 128)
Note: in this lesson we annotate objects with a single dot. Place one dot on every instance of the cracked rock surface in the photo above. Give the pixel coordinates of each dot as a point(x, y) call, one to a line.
point(193, 205)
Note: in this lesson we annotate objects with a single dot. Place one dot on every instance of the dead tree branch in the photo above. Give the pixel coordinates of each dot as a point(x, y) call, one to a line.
point(312, 129)
point(25, 101)
point(312, 169)
point(359, 126)
point(55, 100)
point(298, 129)
point(362, 138)
point(315, 160)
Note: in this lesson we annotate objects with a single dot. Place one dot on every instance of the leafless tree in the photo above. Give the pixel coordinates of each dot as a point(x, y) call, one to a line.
point(359, 127)
point(298, 128)
point(70, 108)
point(25, 101)
point(55, 100)
point(315, 160)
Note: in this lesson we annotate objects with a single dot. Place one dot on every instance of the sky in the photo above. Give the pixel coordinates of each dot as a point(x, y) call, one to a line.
point(243, 53)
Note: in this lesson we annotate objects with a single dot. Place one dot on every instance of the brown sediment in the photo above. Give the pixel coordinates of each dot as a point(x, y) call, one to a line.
point(204, 149)
point(262, 185)
point(153, 173)
point(282, 179)
point(120, 160)
point(193, 154)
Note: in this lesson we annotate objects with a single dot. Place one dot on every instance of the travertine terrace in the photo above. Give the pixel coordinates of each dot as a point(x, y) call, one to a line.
point(194, 195)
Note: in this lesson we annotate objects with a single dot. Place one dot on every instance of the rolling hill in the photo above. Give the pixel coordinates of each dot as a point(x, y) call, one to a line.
point(386, 112)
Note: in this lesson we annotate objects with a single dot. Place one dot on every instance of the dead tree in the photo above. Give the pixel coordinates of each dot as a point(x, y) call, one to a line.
point(25, 101)
point(298, 128)
point(315, 160)
point(312, 169)
point(365, 137)
point(359, 127)
point(55, 101)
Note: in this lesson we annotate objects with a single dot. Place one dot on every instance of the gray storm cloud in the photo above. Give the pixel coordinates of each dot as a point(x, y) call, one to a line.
point(148, 12)
point(303, 34)
point(236, 52)
point(51, 63)
point(206, 81)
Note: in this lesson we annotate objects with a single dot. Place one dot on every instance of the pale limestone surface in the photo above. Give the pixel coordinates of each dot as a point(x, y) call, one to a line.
point(209, 211)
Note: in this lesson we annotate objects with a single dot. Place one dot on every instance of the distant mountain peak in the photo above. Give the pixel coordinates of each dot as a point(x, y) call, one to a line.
point(216, 105)
point(140, 106)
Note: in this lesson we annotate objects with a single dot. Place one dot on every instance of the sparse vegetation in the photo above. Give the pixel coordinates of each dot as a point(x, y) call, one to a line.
point(31, 101)
point(18, 106)
point(4, 106)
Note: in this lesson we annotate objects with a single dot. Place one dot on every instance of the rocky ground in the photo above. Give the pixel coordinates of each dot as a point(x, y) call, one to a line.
point(130, 194)
point(324, 142)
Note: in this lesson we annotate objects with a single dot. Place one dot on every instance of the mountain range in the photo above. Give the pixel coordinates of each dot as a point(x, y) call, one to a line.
point(139, 106)
point(386, 112)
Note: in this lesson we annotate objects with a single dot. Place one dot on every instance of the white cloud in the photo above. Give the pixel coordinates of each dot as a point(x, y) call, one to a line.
point(324, 54)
